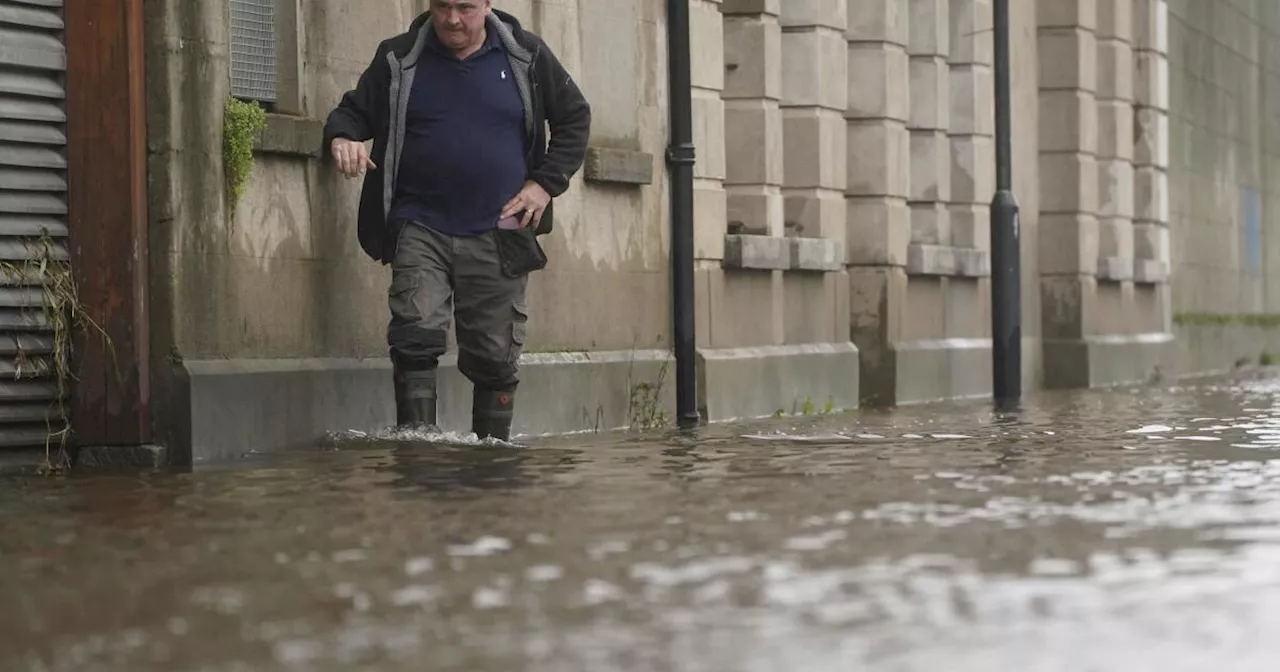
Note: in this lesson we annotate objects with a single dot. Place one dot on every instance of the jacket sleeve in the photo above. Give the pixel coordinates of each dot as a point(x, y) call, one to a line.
point(569, 117)
point(354, 116)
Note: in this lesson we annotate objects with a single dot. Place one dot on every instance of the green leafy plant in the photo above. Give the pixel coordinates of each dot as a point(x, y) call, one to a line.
point(59, 311)
point(242, 123)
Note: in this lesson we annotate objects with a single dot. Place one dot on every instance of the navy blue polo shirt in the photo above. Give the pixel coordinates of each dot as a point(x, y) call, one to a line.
point(464, 145)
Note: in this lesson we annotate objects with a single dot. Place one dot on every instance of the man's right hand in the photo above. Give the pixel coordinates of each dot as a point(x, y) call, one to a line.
point(352, 157)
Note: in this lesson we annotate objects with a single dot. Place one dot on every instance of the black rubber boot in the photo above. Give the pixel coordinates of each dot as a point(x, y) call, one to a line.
point(491, 414)
point(416, 399)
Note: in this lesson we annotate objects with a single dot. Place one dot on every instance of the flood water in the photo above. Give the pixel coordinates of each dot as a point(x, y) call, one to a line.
point(1121, 530)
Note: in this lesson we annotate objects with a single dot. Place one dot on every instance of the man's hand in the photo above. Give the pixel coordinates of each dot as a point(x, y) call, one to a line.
point(533, 199)
point(352, 157)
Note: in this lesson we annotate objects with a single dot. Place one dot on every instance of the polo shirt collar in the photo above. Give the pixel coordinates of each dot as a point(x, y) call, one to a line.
point(491, 42)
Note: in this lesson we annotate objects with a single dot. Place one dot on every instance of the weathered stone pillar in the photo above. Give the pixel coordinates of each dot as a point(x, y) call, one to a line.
point(1067, 51)
point(1151, 143)
point(928, 122)
point(707, 75)
point(877, 189)
point(972, 123)
point(1099, 327)
point(753, 116)
point(814, 97)
point(1115, 140)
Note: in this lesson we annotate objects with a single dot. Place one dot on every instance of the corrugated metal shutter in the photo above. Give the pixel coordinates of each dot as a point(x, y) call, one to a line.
point(33, 202)
point(253, 49)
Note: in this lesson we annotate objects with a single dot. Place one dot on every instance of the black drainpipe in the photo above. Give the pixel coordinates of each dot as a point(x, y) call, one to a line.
point(680, 160)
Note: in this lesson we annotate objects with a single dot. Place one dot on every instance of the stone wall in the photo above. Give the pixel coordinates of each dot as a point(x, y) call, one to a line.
point(845, 163)
point(1103, 208)
point(269, 321)
point(1224, 100)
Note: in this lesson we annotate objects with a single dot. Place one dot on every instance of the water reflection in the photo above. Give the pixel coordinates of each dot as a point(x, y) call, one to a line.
point(1129, 529)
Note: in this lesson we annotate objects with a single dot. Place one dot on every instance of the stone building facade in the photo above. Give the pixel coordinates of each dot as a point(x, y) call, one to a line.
point(845, 163)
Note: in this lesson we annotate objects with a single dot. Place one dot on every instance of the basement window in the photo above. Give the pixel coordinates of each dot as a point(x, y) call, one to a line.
point(253, 50)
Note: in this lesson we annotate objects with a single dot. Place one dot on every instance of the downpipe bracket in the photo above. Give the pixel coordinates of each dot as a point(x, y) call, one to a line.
point(681, 155)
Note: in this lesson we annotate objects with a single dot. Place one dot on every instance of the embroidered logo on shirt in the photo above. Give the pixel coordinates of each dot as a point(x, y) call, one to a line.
point(504, 74)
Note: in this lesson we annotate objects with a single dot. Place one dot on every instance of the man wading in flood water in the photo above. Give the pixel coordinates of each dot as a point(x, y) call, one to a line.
point(458, 186)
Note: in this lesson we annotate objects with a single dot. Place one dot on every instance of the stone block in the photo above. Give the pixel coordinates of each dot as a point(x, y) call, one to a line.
point(710, 220)
point(1115, 130)
point(1068, 244)
point(930, 224)
point(755, 252)
point(1150, 272)
point(1068, 121)
point(972, 100)
point(1068, 305)
point(1068, 59)
point(291, 136)
point(1067, 13)
point(1115, 188)
point(930, 93)
point(1115, 269)
point(810, 13)
point(816, 254)
point(972, 263)
point(930, 166)
point(815, 309)
point(819, 373)
point(618, 166)
point(1115, 19)
point(1152, 80)
point(752, 57)
point(879, 77)
point(754, 209)
point(814, 65)
point(1115, 70)
point(971, 32)
point(1068, 183)
point(751, 7)
point(753, 142)
point(708, 135)
point(816, 213)
point(877, 297)
point(973, 169)
point(1151, 195)
point(928, 24)
point(879, 231)
point(930, 260)
point(946, 261)
point(815, 148)
point(971, 226)
point(1151, 25)
point(708, 51)
point(879, 21)
point(1115, 237)
point(1150, 241)
point(878, 159)
point(745, 307)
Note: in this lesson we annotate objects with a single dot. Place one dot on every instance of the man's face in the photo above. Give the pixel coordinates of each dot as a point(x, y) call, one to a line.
point(460, 23)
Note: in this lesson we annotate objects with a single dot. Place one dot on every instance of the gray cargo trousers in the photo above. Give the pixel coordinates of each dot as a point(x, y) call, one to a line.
point(436, 277)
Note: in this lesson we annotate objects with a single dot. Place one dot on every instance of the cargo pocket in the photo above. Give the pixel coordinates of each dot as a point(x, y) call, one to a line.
point(404, 309)
point(519, 326)
point(519, 253)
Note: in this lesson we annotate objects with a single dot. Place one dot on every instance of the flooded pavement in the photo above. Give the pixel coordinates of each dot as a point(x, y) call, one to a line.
point(1124, 530)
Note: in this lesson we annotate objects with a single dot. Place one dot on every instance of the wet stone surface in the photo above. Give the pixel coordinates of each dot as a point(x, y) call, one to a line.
point(1125, 530)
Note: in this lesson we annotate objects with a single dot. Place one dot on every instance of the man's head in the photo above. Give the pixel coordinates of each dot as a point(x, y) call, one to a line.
point(460, 23)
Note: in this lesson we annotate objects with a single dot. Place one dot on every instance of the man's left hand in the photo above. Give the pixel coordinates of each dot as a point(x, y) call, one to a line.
point(532, 199)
